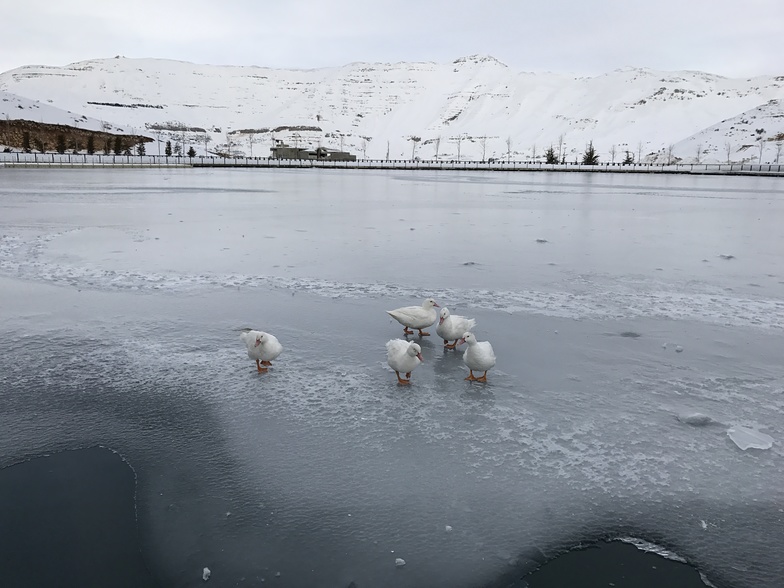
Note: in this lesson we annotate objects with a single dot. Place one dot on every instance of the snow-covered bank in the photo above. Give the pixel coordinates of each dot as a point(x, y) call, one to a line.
point(57, 160)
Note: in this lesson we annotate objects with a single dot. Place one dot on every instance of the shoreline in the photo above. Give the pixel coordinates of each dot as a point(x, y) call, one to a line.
point(81, 161)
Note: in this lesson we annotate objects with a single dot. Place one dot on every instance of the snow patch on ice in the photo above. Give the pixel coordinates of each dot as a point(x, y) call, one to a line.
point(587, 297)
point(747, 438)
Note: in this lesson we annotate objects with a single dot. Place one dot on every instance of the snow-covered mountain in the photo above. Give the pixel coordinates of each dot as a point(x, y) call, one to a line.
point(473, 108)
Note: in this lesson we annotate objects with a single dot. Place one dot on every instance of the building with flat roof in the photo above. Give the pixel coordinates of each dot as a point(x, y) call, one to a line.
point(283, 151)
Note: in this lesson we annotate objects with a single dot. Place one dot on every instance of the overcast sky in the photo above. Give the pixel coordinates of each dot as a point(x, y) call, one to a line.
point(588, 37)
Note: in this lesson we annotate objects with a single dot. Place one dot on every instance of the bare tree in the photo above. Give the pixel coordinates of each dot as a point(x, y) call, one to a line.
point(560, 146)
point(387, 149)
point(250, 143)
point(484, 147)
point(458, 140)
point(639, 152)
point(509, 148)
point(438, 145)
point(613, 153)
point(533, 152)
point(364, 147)
point(699, 152)
point(778, 150)
point(415, 141)
point(761, 142)
point(670, 148)
point(728, 150)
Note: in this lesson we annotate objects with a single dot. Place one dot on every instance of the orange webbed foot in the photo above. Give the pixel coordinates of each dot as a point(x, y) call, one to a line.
point(401, 381)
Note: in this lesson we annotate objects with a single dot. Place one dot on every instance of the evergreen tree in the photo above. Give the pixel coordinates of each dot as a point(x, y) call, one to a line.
point(118, 148)
point(140, 149)
point(191, 152)
point(60, 143)
point(177, 149)
point(629, 159)
point(39, 144)
point(550, 156)
point(107, 147)
point(590, 157)
point(127, 151)
point(168, 150)
point(26, 141)
point(91, 144)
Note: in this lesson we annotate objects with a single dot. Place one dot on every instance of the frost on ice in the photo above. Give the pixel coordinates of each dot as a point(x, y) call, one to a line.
point(746, 438)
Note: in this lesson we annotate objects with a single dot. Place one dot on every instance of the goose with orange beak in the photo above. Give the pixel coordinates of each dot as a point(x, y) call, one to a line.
point(452, 326)
point(262, 347)
point(403, 356)
point(416, 317)
point(479, 357)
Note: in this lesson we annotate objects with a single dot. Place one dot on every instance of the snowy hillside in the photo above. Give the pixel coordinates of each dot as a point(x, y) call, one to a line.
point(473, 108)
point(13, 107)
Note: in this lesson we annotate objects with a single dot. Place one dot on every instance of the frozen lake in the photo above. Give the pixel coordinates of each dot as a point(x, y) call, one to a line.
point(619, 307)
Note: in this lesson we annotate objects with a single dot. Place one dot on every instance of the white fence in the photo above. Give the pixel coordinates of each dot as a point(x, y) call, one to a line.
point(63, 160)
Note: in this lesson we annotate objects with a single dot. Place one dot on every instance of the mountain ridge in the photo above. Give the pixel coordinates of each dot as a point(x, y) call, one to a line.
point(474, 107)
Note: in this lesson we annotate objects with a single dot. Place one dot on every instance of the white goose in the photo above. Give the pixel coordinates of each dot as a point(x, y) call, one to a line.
point(403, 356)
point(452, 326)
point(262, 347)
point(416, 317)
point(479, 356)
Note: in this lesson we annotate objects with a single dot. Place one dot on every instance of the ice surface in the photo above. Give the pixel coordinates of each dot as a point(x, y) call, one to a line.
point(112, 337)
point(747, 438)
